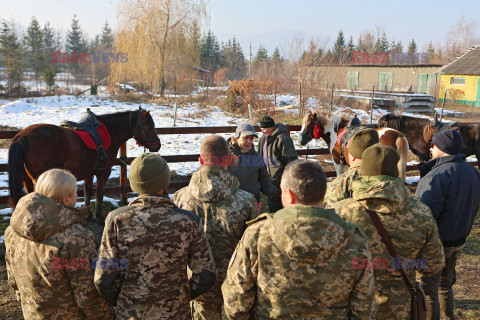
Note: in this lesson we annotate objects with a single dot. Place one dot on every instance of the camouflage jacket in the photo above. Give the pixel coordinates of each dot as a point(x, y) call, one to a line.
point(224, 209)
point(48, 254)
point(251, 172)
point(146, 248)
point(341, 187)
point(297, 265)
point(280, 152)
point(412, 230)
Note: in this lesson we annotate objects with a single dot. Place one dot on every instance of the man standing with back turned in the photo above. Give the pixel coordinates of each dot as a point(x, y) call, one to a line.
point(450, 187)
point(297, 265)
point(215, 196)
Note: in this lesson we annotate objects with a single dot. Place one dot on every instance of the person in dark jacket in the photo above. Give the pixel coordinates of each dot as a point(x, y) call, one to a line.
point(248, 165)
point(277, 150)
point(450, 187)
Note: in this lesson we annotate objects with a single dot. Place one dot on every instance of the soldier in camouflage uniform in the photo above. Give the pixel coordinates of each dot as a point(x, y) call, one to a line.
point(341, 187)
point(408, 222)
point(224, 209)
point(297, 265)
point(154, 242)
point(48, 253)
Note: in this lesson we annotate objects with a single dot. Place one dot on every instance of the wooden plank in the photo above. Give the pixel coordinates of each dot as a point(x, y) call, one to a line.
point(8, 134)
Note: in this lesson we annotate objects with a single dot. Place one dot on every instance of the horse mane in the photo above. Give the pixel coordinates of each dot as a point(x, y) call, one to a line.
point(394, 122)
point(325, 118)
point(112, 116)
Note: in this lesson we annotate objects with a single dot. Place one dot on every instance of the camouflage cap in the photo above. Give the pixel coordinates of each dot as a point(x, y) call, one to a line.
point(361, 141)
point(149, 173)
point(380, 159)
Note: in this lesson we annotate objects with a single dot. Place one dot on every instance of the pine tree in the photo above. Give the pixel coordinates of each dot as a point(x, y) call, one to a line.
point(51, 43)
point(34, 49)
point(260, 57)
point(233, 59)
point(276, 55)
point(350, 49)
point(339, 48)
point(412, 47)
point(12, 56)
point(106, 38)
point(210, 53)
point(75, 45)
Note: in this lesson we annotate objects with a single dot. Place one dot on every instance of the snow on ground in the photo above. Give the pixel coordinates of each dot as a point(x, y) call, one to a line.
point(26, 111)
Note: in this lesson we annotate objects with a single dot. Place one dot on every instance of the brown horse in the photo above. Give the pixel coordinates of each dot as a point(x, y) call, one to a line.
point(330, 126)
point(41, 147)
point(420, 132)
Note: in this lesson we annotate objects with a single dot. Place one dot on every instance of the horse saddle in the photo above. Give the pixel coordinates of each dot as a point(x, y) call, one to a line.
point(344, 137)
point(89, 124)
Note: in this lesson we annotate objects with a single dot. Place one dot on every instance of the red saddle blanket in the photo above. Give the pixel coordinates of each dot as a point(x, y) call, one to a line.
point(87, 139)
point(340, 136)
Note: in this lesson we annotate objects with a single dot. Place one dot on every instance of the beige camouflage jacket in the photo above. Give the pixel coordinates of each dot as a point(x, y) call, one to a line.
point(341, 187)
point(412, 230)
point(146, 248)
point(49, 261)
point(224, 209)
point(297, 265)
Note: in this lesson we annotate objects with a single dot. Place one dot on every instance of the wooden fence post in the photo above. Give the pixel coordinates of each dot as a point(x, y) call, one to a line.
point(123, 173)
point(371, 106)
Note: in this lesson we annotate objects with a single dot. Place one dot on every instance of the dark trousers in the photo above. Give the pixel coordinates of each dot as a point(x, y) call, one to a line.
point(438, 288)
point(274, 205)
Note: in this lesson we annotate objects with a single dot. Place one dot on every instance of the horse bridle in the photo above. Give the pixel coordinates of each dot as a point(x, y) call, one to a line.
point(140, 123)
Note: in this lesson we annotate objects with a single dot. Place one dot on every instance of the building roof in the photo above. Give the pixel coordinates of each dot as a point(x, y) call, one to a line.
point(468, 63)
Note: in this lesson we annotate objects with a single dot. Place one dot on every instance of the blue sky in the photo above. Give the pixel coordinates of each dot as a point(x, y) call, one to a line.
point(272, 21)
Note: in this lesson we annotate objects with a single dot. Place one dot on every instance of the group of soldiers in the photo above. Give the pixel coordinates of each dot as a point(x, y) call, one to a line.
point(208, 253)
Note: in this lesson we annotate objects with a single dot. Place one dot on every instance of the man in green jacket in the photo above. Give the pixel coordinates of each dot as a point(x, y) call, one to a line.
point(154, 242)
point(409, 225)
point(341, 187)
point(277, 150)
point(214, 195)
point(297, 265)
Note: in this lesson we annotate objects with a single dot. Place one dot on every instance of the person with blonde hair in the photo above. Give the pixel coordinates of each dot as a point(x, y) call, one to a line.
point(48, 253)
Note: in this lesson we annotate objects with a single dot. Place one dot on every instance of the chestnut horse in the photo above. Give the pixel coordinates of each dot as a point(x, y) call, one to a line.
point(420, 132)
point(329, 126)
point(41, 147)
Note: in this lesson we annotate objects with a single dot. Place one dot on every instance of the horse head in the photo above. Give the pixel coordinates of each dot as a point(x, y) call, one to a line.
point(312, 127)
point(144, 132)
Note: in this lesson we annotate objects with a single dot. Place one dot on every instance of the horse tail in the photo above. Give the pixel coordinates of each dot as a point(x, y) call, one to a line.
point(402, 148)
point(16, 169)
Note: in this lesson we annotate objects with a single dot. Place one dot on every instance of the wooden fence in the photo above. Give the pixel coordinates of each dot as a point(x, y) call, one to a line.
point(123, 188)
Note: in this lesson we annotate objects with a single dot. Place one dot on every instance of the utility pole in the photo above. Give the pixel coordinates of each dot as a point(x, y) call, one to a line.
point(250, 63)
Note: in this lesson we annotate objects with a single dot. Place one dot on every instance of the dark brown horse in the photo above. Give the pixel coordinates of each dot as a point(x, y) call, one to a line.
point(41, 147)
point(329, 127)
point(420, 132)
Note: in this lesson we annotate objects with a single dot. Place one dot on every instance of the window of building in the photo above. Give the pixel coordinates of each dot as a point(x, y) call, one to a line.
point(457, 80)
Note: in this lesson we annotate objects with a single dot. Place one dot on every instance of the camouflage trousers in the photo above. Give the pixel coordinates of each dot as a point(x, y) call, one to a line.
point(438, 288)
point(206, 311)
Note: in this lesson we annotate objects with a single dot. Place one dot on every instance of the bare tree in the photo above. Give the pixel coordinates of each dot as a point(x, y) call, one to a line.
point(461, 37)
point(156, 34)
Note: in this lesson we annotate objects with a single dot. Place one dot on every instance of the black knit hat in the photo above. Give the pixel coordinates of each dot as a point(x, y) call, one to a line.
point(266, 122)
point(449, 141)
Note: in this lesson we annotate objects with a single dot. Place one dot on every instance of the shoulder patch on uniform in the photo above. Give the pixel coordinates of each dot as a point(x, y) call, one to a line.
point(263, 216)
point(190, 214)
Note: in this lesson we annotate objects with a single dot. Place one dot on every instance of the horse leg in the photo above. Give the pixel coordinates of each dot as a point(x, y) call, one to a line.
point(101, 181)
point(88, 188)
point(402, 148)
point(28, 184)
